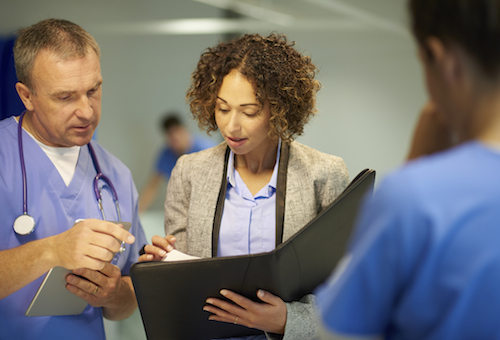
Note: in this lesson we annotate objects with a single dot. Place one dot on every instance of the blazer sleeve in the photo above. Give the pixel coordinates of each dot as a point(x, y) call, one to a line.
point(191, 199)
point(177, 204)
point(336, 182)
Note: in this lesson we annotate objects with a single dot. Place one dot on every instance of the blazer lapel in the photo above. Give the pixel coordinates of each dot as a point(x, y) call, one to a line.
point(280, 198)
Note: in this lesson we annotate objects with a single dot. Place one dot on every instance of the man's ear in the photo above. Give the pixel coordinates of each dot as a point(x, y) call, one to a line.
point(444, 58)
point(26, 96)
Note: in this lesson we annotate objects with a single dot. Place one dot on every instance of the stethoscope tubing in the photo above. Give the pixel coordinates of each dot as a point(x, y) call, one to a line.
point(104, 178)
point(23, 166)
point(97, 192)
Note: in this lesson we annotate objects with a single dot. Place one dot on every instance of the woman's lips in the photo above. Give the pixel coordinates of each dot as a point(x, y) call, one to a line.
point(235, 142)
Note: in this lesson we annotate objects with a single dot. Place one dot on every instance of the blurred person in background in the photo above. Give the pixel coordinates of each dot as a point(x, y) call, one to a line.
point(179, 141)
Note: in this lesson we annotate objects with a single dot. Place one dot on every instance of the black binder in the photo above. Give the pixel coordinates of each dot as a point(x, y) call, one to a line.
point(171, 295)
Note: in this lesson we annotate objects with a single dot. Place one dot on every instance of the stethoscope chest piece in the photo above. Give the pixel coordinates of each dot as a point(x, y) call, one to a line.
point(24, 224)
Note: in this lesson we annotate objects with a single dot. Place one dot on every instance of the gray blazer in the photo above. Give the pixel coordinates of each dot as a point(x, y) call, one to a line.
point(314, 180)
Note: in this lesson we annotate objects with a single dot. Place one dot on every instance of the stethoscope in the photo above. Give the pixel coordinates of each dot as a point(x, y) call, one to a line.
point(25, 224)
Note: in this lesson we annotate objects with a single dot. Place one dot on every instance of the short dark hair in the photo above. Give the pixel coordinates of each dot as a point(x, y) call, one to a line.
point(170, 120)
point(62, 37)
point(281, 76)
point(472, 24)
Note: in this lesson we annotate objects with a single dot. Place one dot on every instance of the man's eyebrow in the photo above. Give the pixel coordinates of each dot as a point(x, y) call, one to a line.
point(99, 83)
point(247, 104)
point(60, 93)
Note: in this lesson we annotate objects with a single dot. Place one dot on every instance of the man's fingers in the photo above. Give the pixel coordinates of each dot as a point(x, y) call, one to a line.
point(109, 228)
point(118, 232)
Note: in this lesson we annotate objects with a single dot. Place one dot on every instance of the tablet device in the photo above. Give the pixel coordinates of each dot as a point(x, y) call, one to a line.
point(53, 298)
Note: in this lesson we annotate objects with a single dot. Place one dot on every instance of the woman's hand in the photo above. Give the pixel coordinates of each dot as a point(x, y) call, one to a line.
point(159, 248)
point(431, 133)
point(268, 316)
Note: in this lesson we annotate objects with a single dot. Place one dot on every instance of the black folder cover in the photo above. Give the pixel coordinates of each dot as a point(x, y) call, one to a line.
point(171, 295)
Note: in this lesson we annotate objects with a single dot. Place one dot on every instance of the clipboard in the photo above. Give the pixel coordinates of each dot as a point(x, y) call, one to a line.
point(53, 298)
point(171, 295)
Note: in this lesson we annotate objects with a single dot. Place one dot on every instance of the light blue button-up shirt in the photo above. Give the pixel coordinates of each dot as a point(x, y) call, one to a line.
point(248, 224)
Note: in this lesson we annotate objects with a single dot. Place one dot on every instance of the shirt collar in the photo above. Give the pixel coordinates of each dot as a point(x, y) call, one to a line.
point(231, 169)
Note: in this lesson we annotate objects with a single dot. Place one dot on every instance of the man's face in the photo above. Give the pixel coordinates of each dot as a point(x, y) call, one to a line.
point(65, 108)
point(178, 139)
point(446, 88)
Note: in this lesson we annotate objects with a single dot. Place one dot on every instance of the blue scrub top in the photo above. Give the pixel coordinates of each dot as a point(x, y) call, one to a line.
point(424, 262)
point(167, 158)
point(55, 207)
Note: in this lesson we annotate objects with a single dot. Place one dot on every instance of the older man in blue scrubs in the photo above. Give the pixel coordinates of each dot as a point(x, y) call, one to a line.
point(48, 171)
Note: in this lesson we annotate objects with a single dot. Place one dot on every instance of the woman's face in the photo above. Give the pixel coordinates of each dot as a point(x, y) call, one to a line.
point(241, 119)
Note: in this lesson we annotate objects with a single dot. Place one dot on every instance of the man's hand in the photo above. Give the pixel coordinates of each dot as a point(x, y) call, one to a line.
point(431, 133)
point(89, 244)
point(98, 288)
point(104, 288)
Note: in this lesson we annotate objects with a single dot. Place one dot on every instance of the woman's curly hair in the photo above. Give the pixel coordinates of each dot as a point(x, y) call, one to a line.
point(280, 75)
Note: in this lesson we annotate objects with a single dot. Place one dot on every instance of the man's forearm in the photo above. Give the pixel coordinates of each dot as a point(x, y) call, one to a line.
point(24, 264)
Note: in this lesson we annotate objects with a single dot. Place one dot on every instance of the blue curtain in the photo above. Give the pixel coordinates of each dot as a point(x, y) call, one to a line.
point(10, 104)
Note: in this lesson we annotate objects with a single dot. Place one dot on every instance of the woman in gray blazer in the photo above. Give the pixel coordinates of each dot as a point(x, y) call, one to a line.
point(258, 187)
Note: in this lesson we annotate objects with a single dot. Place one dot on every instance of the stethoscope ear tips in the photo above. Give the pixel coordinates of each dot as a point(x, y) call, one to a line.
point(24, 224)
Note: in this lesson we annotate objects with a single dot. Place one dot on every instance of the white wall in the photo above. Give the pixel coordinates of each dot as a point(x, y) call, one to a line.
point(372, 92)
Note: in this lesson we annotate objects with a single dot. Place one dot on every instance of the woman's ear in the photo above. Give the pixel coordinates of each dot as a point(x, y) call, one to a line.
point(26, 96)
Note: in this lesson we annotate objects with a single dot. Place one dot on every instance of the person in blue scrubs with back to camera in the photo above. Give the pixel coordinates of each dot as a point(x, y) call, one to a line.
point(424, 261)
point(259, 92)
point(52, 176)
